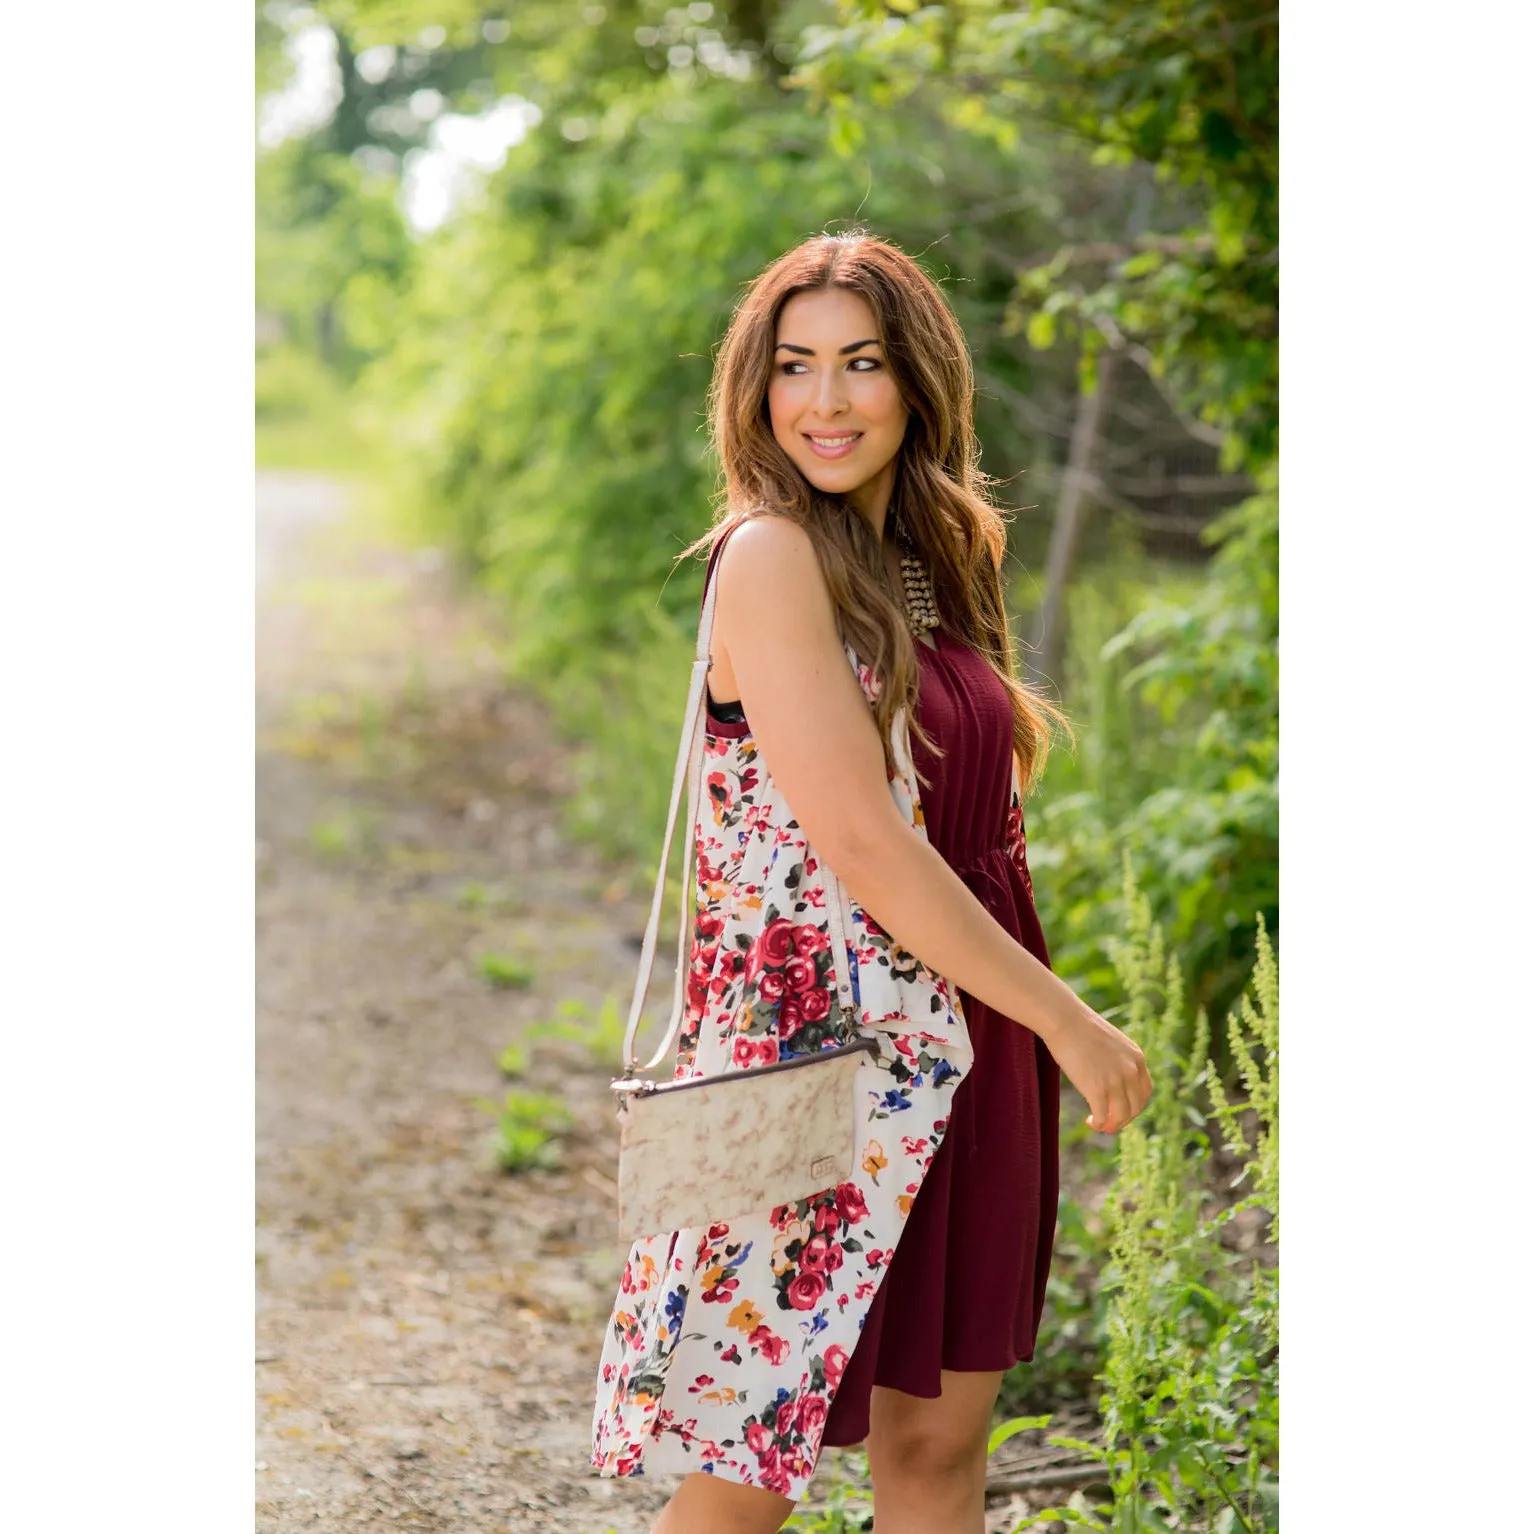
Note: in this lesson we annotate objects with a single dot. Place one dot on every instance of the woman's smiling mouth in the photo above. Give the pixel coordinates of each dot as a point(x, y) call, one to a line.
point(837, 446)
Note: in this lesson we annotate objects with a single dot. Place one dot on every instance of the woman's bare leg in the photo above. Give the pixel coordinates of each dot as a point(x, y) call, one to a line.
point(927, 1458)
point(707, 1504)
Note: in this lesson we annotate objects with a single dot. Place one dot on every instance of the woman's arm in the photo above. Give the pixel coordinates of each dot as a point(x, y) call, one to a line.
point(774, 619)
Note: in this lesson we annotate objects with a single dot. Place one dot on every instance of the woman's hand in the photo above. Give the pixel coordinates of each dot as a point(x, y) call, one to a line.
point(1105, 1065)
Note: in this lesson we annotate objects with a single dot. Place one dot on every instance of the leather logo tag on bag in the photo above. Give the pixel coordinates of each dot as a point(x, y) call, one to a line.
point(823, 1166)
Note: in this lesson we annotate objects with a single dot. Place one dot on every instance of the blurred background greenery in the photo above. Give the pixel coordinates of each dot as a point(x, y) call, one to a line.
point(498, 244)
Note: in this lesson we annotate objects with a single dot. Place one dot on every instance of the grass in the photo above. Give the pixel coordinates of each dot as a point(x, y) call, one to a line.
point(317, 447)
point(505, 971)
point(363, 737)
point(474, 896)
point(344, 833)
point(596, 1032)
point(839, 1500)
point(528, 1131)
point(513, 1060)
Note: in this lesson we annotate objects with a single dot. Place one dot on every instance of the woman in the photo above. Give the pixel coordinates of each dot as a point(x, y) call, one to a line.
point(855, 568)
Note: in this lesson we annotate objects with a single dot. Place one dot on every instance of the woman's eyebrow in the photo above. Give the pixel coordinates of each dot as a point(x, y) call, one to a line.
point(809, 351)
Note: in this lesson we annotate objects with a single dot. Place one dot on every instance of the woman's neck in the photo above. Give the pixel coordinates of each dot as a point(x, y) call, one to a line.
point(871, 500)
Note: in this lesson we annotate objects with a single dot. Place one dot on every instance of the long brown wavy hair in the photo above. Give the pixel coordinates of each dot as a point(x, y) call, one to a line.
point(940, 494)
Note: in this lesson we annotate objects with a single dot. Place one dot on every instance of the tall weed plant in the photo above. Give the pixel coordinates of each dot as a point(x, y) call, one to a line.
point(1190, 1377)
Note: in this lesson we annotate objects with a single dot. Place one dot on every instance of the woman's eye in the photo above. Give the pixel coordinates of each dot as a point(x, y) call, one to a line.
point(791, 369)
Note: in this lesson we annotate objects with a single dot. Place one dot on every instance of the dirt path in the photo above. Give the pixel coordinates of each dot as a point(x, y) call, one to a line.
point(428, 1326)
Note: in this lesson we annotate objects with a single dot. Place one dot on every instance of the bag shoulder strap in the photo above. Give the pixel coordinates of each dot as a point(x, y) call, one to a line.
point(689, 770)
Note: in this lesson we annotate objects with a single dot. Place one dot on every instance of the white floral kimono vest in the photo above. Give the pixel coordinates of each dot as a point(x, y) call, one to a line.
point(727, 1342)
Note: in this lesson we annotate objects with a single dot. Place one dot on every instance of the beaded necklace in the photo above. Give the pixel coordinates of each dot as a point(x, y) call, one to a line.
point(920, 602)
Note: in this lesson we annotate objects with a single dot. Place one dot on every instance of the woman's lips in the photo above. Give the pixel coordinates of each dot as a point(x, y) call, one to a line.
point(833, 444)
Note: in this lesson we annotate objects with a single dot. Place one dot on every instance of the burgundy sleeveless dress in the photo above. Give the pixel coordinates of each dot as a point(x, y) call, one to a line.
point(965, 1289)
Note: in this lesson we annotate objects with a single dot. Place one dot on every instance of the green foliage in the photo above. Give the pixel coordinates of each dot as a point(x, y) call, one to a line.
point(331, 246)
point(839, 1500)
point(504, 971)
point(292, 383)
point(348, 831)
point(1255, 1025)
point(1178, 715)
point(1186, 90)
point(566, 377)
point(1190, 1402)
point(474, 896)
point(596, 1033)
point(1189, 88)
point(1010, 1429)
point(528, 1128)
point(274, 68)
point(1074, 1515)
point(513, 1060)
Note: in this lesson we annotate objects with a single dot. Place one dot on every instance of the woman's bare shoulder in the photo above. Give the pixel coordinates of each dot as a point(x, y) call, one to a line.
point(767, 531)
point(769, 570)
point(808, 714)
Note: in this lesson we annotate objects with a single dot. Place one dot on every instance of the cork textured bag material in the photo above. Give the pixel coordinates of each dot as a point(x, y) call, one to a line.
point(701, 1151)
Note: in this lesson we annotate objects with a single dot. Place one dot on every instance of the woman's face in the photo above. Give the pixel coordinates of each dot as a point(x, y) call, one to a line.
point(834, 406)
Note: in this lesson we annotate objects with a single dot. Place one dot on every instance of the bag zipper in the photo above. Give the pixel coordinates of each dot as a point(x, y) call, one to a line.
point(635, 1087)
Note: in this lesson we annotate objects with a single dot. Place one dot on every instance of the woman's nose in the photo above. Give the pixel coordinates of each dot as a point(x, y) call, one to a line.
point(833, 391)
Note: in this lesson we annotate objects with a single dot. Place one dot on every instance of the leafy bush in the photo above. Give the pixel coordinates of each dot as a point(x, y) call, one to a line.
point(291, 381)
point(1190, 1400)
point(331, 245)
point(1178, 715)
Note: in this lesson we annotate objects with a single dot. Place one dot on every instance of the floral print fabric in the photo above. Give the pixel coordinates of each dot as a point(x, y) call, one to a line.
point(727, 1343)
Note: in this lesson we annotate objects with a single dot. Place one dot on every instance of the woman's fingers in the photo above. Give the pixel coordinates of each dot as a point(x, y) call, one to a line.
point(1101, 1113)
point(1114, 1111)
point(1122, 1112)
point(1110, 1072)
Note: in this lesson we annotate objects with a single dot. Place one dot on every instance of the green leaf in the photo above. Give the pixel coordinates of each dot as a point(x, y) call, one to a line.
point(1006, 1430)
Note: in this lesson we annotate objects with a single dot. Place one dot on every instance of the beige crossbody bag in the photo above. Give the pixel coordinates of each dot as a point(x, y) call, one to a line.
point(714, 1148)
